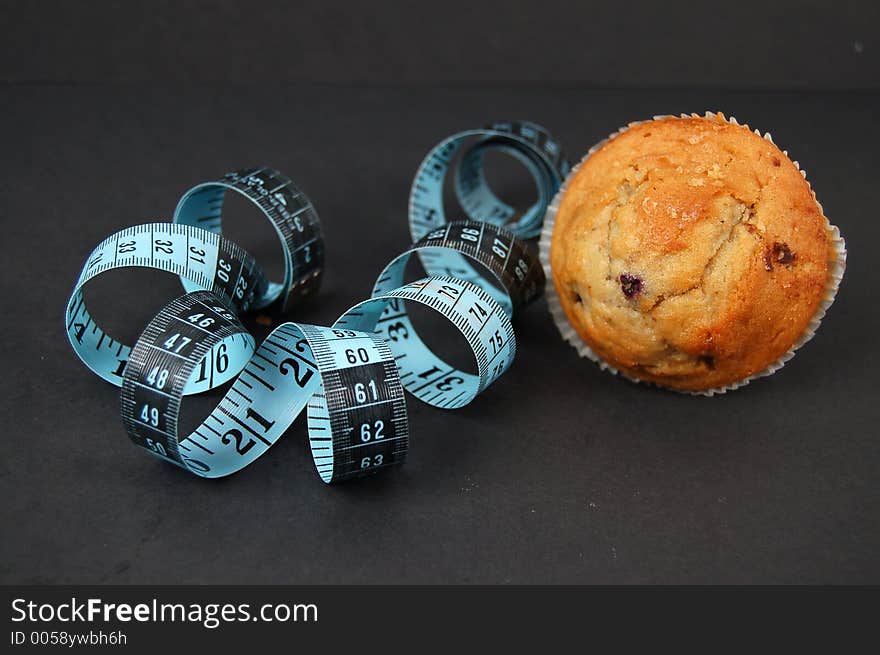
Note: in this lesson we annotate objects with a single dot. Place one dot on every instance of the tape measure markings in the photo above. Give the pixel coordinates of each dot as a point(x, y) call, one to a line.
point(209, 260)
point(168, 351)
point(506, 257)
point(477, 316)
point(290, 213)
point(349, 378)
point(362, 404)
point(529, 143)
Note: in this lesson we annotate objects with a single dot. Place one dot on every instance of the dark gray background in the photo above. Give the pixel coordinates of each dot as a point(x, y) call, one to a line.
point(559, 473)
point(746, 43)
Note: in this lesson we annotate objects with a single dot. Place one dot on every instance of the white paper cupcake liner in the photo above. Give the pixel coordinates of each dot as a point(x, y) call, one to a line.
point(835, 274)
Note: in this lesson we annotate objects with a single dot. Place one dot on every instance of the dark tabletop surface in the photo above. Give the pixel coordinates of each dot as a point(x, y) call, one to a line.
point(559, 473)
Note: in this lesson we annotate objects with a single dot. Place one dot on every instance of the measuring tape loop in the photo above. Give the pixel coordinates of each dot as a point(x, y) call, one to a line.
point(478, 317)
point(478, 309)
point(289, 211)
point(479, 202)
point(528, 142)
point(347, 380)
point(358, 425)
point(512, 264)
point(204, 259)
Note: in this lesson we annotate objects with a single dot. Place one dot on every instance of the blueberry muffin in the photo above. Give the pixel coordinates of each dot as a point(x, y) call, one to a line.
point(691, 252)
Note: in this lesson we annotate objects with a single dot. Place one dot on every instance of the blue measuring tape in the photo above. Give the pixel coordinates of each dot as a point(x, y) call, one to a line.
point(204, 259)
point(348, 381)
point(289, 211)
point(349, 378)
point(527, 142)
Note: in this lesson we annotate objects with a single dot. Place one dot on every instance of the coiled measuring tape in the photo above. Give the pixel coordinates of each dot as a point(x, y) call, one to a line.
point(346, 379)
point(349, 378)
point(204, 259)
point(289, 211)
point(192, 248)
point(527, 142)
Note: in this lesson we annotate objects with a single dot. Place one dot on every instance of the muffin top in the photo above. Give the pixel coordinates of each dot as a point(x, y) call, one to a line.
point(690, 252)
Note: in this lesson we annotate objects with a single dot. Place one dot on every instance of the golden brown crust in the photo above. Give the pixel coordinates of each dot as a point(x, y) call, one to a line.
point(690, 252)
